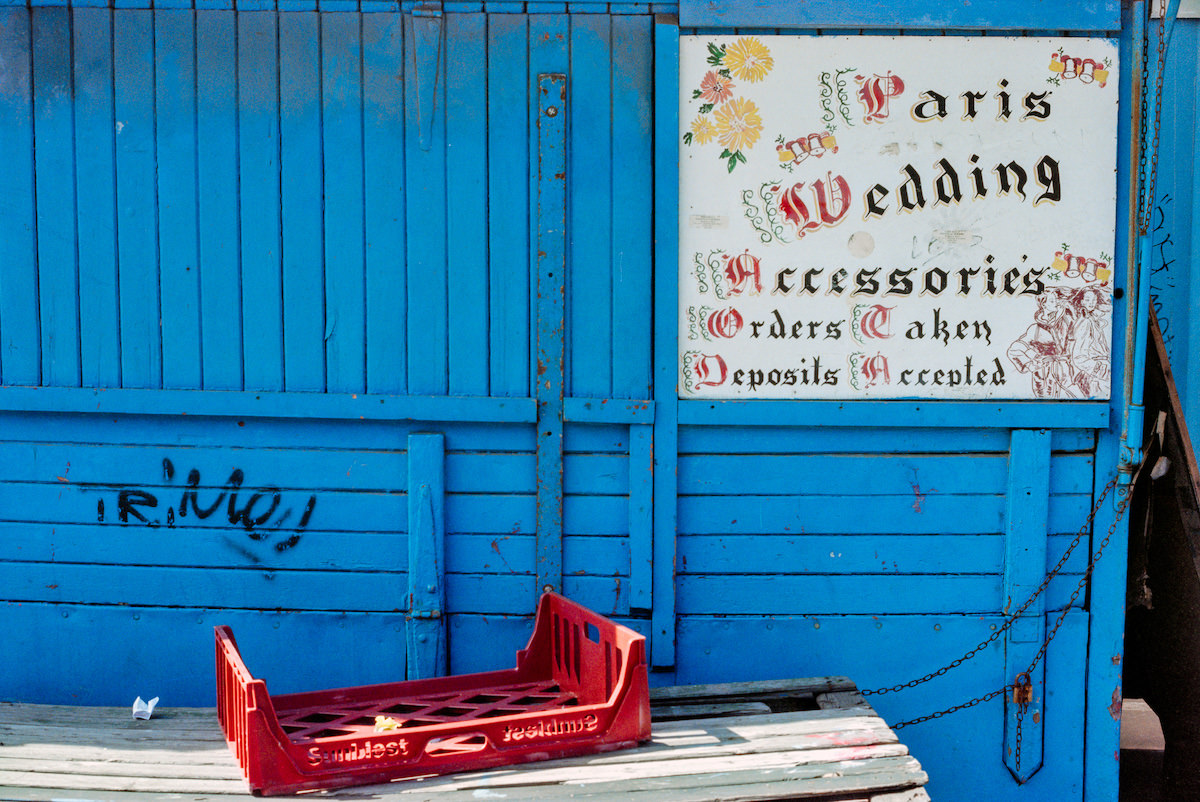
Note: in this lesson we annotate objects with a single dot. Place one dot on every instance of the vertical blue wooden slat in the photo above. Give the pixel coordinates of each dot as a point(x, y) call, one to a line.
point(641, 517)
point(1027, 510)
point(550, 264)
point(300, 198)
point(589, 329)
point(633, 215)
point(1107, 587)
point(95, 179)
point(383, 157)
point(217, 155)
point(425, 165)
point(466, 214)
point(508, 203)
point(345, 304)
point(258, 162)
point(178, 253)
point(426, 630)
point(19, 337)
point(54, 172)
point(137, 224)
point(666, 311)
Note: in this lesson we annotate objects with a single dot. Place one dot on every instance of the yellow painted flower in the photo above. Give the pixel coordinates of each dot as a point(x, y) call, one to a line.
point(703, 130)
point(738, 124)
point(749, 59)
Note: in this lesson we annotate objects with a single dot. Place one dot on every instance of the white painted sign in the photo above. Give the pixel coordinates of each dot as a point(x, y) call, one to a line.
point(896, 217)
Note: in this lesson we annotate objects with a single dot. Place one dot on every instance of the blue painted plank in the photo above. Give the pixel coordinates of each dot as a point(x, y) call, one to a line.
point(1025, 519)
point(826, 440)
point(137, 246)
point(962, 514)
point(550, 222)
point(632, 193)
point(301, 201)
point(58, 282)
point(509, 594)
point(286, 405)
point(605, 474)
point(190, 547)
point(466, 180)
point(427, 198)
point(590, 335)
point(175, 98)
point(250, 432)
point(169, 652)
point(868, 474)
point(508, 204)
point(57, 583)
point(426, 557)
point(1033, 15)
point(666, 310)
point(641, 517)
point(20, 339)
point(384, 199)
point(345, 301)
point(514, 554)
point(968, 414)
point(486, 642)
point(219, 217)
point(259, 200)
point(858, 554)
point(95, 171)
point(836, 594)
point(606, 410)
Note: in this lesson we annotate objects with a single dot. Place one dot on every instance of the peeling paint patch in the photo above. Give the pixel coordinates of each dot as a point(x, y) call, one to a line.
point(1114, 709)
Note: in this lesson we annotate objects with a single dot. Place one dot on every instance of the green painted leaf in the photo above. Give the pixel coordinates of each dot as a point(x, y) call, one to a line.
point(706, 108)
point(732, 163)
point(687, 138)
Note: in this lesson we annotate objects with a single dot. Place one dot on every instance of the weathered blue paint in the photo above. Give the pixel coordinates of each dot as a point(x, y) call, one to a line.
point(666, 344)
point(294, 237)
point(426, 557)
point(1026, 520)
point(550, 266)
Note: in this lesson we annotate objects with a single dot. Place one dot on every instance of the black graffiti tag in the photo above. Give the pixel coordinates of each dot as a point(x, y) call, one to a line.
point(258, 511)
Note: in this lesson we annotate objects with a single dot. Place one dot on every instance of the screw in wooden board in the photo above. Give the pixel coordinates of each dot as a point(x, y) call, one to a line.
point(552, 111)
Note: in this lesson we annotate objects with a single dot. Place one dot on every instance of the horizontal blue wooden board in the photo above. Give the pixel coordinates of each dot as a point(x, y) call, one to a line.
point(1038, 15)
point(855, 414)
point(246, 589)
point(186, 547)
point(851, 594)
point(867, 474)
point(153, 651)
point(854, 513)
point(583, 555)
point(784, 439)
point(265, 432)
point(858, 554)
point(348, 406)
point(513, 594)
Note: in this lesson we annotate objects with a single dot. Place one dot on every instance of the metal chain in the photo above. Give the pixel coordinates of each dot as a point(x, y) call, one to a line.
point(1146, 198)
point(1011, 620)
point(1020, 721)
point(1122, 505)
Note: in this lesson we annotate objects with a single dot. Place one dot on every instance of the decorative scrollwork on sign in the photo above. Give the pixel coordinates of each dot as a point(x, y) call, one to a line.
point(764, 217)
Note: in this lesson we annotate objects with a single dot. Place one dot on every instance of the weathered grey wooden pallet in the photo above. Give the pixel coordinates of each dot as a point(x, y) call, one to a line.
point(795, 739)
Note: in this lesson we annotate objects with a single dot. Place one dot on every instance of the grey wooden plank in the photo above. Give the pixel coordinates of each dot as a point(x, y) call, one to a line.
point(809, 685)
point(908, 795)
point(799, 782)
point(17, 793)
point(840, 700)
point(67, 764)
point(85, 782)
point(707, 710)
point(165, 753)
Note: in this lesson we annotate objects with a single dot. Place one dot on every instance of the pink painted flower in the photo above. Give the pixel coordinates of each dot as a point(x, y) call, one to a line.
point(716, 88)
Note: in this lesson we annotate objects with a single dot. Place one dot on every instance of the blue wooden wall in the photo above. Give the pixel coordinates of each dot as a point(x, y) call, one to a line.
point(309, 308)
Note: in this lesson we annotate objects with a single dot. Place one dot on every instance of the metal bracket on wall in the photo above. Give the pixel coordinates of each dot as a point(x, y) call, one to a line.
point(427, 27)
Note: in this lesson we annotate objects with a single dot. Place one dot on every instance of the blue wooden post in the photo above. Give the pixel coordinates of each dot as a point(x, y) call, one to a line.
point(1025, 521)
point(641, 517)
point(426, 557)
point(666, 399)
point(551, 266)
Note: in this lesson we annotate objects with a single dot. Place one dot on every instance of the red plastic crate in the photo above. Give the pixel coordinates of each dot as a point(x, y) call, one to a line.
point(579, 687)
